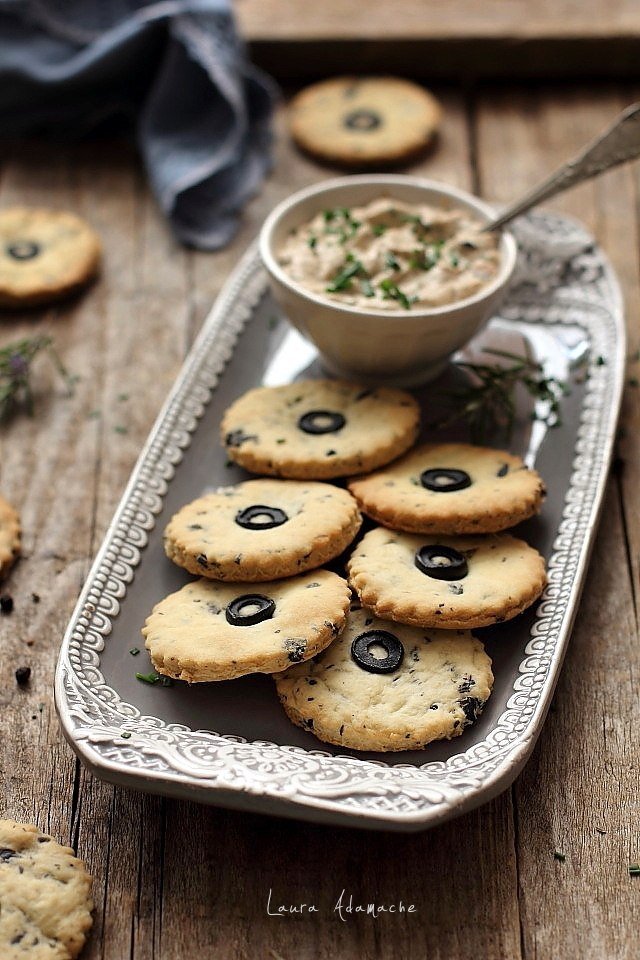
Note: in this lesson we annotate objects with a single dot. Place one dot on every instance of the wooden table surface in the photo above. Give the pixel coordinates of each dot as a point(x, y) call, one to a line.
point(174, 880)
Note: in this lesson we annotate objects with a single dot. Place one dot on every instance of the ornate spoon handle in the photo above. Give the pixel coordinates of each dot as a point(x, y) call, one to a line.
point(619, 143)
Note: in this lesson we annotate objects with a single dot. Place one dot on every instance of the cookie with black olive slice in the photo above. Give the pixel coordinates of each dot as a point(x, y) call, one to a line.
point(451, 488)
point(45, 896)
point(219, 631)
point(364, 121)
point(9, 536)
point(445, 581)
point(45, 255)
point(319, 429)
point(262, 530)
point(385, 686)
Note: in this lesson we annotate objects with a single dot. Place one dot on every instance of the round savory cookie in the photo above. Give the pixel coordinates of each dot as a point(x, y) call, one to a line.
point(319, 429)
point(451, 488)
point(364, 121)
point(45, 896)
point(386, 686)
point(9, 536)
point(444, 581)
point(262, 530)
point(45, 255)
point(218, 631)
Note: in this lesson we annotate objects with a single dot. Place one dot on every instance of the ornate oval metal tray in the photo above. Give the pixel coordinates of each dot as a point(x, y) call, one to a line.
point(230, 743)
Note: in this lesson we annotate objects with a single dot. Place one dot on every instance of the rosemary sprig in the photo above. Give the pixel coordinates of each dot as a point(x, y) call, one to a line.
point(488, 403)
point(15, 371)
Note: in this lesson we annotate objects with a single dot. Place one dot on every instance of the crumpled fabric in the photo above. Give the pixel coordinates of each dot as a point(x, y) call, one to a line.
point(175, 71)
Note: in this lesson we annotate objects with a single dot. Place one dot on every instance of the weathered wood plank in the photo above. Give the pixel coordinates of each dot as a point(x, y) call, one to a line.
point(578, 795)
point(432, 39)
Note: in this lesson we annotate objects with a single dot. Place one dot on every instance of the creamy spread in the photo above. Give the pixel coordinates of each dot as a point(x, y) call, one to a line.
point(391, 255)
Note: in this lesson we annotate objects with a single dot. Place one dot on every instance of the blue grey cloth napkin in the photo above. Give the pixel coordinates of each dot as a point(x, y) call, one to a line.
point(175, 69)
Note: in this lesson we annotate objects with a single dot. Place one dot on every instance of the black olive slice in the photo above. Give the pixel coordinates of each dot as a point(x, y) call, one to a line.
point(362, 120)
point(360, 651)
point(260, 517)
point(321, 421)
point(444, 480)
point(262, 608)
point(441, 563)
point(23, 250)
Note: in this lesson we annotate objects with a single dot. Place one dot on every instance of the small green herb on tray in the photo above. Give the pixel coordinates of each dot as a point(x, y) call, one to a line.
point(428, 258)
point(559, 856)
point(391, 261)
point(634, 869)
point(488, 403)
point(153, 678)
point(119, 428)
point(391, 291)
point(134, 651)
point(125, 735)
point(367, 288)
point(312, 241)
point(15, 372)
point(378, 229)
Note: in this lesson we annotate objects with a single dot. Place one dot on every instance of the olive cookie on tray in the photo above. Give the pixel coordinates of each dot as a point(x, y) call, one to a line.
point(319, 429)
point(451, 488)
point(262, 530)
point(217, 631)
point(383, 686)
point(446, 581)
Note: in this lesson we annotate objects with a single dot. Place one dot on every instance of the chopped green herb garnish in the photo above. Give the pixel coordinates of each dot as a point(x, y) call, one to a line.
point(342, 280)
point(281, 440)
point(122, 397)
point(427, 259)
point(559, 856)
point(454, 260)
point(633, 382)
point(600, 361)
point(366, 287)
point(94, 414)
point(634, 869)
point(134, 651)
point(342, 223)
point(154, 678)
point(228, 463)
point(312, 241)
point(125, 734)
point(378, 229)
point(120, 429)
point(391, 260)
point(391, 291)
point(272, 322)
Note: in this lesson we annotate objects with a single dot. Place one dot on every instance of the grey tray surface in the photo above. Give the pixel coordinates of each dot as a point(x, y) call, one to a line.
point(230, 743)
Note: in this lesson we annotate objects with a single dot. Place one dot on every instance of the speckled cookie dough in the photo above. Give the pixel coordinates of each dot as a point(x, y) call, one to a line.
point(9, 537)
point(215, 631)
point(319, 429)
point(364, 121)
point(262, 530)
point(451, 488)
point(422, 686)
point(45, 255)
point(444, 581)
point(45, 896)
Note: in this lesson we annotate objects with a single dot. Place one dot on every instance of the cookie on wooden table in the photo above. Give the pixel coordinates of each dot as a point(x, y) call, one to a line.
point(319, 429)
point(364, 121)
point(45, 896)
point(45, 255)
point(386, 686)
point(9, 536)
point(262, 530)
point(446, 581)
point(451, 488)
point(218, 631)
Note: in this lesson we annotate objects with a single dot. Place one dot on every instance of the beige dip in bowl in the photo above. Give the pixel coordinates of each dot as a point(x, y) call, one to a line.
point(387, 275)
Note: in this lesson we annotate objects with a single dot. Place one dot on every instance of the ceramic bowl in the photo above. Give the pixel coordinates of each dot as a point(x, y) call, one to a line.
point(403, 347)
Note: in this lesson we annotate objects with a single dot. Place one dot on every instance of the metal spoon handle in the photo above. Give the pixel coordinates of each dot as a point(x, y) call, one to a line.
point(619, 143)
